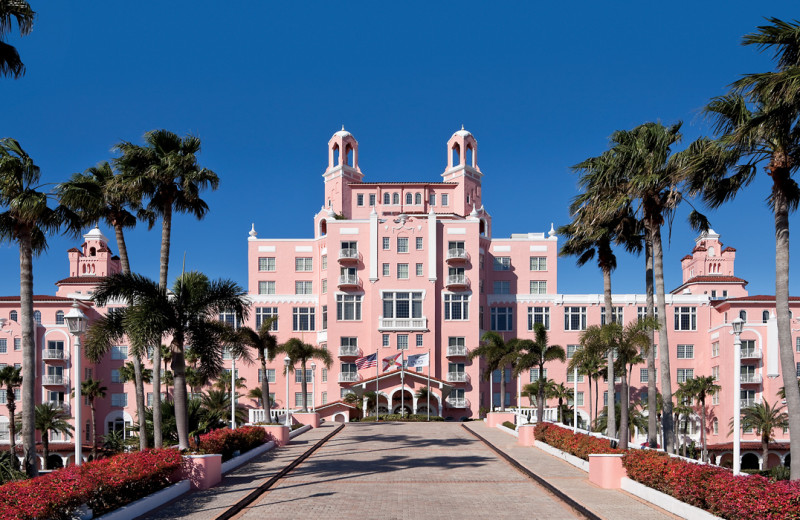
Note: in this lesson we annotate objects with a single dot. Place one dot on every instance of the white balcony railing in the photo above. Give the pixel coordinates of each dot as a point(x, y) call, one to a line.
point(349, 377)
point(457, 377)
point(348, 350)
point(402, 323)
point(751, 353)
point(5, 435)
point(457, 254)
point(750, 379)
point(349, 279)
point(64, 406)
point(53, 380)
point(744, 403)
point(456, 350)
point(52, 353)
point(457, 279)
point(348, 254)
point(457, 402)
point(256, 415)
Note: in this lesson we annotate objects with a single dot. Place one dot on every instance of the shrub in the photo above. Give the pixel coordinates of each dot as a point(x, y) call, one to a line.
point(397, 417)
point(227, 442)
point(577, 444)
point(510, 425)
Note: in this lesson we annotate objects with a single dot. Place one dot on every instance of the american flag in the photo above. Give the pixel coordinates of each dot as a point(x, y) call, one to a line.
point(367, 361)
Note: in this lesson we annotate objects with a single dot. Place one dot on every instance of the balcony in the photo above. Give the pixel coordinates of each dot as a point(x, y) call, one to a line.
point(349, 256)
point(349, 280)
point(63, 406)
point(744, 403)
point(349, 377)
point(457, 402)
point(53, 380)
point(457, 377)
point(349, 351)
point(53, 353)
point(457, 281)
point(456, 351)
point(751, 353)
point(402, 324)
point(750, 379)
point(457, 255)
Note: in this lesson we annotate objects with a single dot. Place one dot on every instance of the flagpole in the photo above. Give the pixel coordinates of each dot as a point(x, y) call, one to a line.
point(402, 380)
point(429, 385)
point(377, 391)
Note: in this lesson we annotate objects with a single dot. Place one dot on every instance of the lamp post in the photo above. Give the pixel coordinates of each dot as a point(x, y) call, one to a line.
point(313, 387)
point(76, 323)
point(737, 325)
point(286, 362)
point(575, 400)
point(233, 392)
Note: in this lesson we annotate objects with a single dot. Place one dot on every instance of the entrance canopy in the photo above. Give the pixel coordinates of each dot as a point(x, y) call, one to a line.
point(393, 379)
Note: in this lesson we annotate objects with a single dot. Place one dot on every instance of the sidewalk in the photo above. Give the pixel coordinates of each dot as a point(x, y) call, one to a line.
point(573, 482)
point(210, 503)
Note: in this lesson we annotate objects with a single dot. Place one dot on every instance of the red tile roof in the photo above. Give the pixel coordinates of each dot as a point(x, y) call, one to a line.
point(37, 298)
point(715, 279)
point(750, 445)
point(397, 183)
point(81, 280)
point(687, 257)
point(729, 249)
point(74, 250)
point(340, 402)
point(761, 298)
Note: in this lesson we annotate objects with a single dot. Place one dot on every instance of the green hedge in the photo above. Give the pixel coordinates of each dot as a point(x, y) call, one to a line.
point(397, 417)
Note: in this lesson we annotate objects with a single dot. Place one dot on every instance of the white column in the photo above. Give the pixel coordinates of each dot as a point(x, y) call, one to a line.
point(432, 265)
point(737, 412)
point(78, 426)
point(373, 245)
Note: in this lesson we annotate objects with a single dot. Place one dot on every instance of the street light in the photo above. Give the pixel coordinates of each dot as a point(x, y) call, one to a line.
point(76, 323)
point(313, 387)
point(233, 391)
point(737, 325)
point(286, 362)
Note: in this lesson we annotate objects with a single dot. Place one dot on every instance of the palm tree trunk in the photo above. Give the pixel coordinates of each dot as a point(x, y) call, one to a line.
point(166, 230)
point(652, 391)
point(590, 403)
point(663, 341)
point(502, 389)
point(540, 397)
point(612, 419)
point(624, 432)
point(265, 390)
point(788, 371)
point(46, 448)
point(703, 455)
point(180, 399)
point(28, 353)
point(123, 249)
point(12, 424)
point(94, 432)
point(596, 398)
point(303, 387)
point(764, 452)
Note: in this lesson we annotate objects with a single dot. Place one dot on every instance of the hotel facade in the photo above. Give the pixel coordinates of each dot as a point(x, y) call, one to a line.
point(413, 267)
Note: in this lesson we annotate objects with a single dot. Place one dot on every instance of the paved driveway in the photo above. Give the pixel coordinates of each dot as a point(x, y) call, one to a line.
point(406, 470)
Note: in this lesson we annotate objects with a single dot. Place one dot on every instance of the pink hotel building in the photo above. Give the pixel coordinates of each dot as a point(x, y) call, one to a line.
point(413, 266)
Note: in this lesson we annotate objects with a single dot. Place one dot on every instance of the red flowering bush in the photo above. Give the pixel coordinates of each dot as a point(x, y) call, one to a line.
point(577, 444)
point(226, 441)
point(104, 485)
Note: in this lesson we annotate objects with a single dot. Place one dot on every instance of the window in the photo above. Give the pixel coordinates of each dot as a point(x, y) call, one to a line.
point(402, 271)
point(119, 400)
point(59, 317)
point(270, 375)
point(387, 270)
point(115, 377)
point(496, 375)
point(298, 375)
point(402, 342)
point(409, 198)
point(324, 375)
point(385, 340)
point(37, 317)
point(444, 199)
point(502, 263)
point(418, 198)
point(715, 373)
point(266, 287)
point(324, 317)
point(715, 426)
point(302, 287)
point(685, 318)
point(617, 315)
point(535, 374)
point(539, 315)
point(715, 349)
point(580, 399)
point(303, 264)
point(574, 318)
point(360, 199)
point(3, 346)
point(402, 244)
point(538, 263)
point(386, 243)
point(119, 352)
point(644, 375)
point(743, 315)
point(641, 313)
point(571, 349)
point(263, 313)
point(303, 318)
point(371, 199)
point(502, 318)
point(17, 343)
point(229, 318)
point(432, 199)
point(571, 377)
point(419, 269)
point(348, 307)
point(266, 263)
point(502, 287)
point(685, 351)
point(685, 374)
point(3, 396)
point(538, 287)
point(395, 198)
point(324, 398)
point(299, 401)
point(387, 198)
point(765, 317)
point(324, 261)
point(419, 340)
point(12, 315)
point(324, 286)
point(456, 307)
point(715, 399)
point(402, 305)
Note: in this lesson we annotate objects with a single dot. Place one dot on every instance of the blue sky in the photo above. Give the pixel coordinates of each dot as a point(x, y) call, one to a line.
point(265, 84)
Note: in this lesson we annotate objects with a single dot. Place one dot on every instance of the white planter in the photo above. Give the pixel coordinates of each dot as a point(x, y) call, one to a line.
point(146, 504)
point(666, 502)
point(508, 430)
point(298, 431)
point(246, 456)
point(572, 459)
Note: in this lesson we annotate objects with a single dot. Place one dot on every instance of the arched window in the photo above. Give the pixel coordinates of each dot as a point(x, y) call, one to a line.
point(743, 315)
point(60, 318)
point(470, 155)
point(764, 316)
point(456, 154)
point(12, 315)
point(418, 199)
point(37, 317)
point(336, 158)
point(387, 198)
point(348, 155)
point(395, 198)
point(92, 251)
point(409, 198)
point(323, 227)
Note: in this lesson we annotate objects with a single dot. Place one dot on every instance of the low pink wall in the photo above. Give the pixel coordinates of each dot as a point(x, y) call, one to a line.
point(203, 471)
point(311, 419)
point(606, 470)
point(525, 435)
point(279, 432)
point(495, 418)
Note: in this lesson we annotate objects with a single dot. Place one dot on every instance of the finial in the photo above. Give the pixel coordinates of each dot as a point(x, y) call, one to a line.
point(462, 126)
point(342, 127)
point(552, 231)
point(252, 232)
point(481, 210)
point(330, 212)
point(474, 212)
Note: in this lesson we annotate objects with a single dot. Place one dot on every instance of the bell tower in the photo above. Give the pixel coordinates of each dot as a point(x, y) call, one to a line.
point(342, 170)
point(462, 168)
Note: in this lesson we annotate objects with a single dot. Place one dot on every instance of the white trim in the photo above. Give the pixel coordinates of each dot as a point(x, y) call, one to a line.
point(303, 249)
point(150, 502)
point(456, 231)
point(285, 298)
point(348, 231)
point(432, 244)
point(266, 249)
point(538, 249)
point(501, 249)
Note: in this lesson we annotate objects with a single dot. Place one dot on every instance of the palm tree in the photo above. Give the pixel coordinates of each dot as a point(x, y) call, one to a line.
point(26, 222)
point(764, 418)
point(11, 379)
point(189, 316)
point(51, 418)
point(562, 392)
point(700, 387)
point(531, 390)
point(127, 372)
point(537, 353)
point(195, 379)
point(92, 389)
point(166, 358)
point(589, 360)
point(685, 395)
point(20, 10)
point(630, 342)
point(257, 395)
point(301, 352)
point(166, 173)
point(100, 195)
point(636, 418)
point(759, 120)
point(216, 404)
point(266, 346)
point(494, 351)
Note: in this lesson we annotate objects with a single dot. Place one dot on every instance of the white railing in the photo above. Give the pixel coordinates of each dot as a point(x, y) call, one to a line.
point(456, 350)
point(349, 279)
point(402, 324)
point(457, 377)
point(528, 415)
point(751, 353)
point(256, 415)
point(457, 254)
point(52, 353)
point(744, 403)
point(64, 406)
point(5, 435)
point(457, 279)
point(348, 350)
point(348, 254)
point(53, 380)
point(349, 377)
point(750, 378)
point(457, 402)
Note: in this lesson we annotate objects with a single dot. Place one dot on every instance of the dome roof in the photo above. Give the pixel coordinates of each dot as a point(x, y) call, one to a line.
point(95, 234)
point(342, 133)
point(462, 132)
